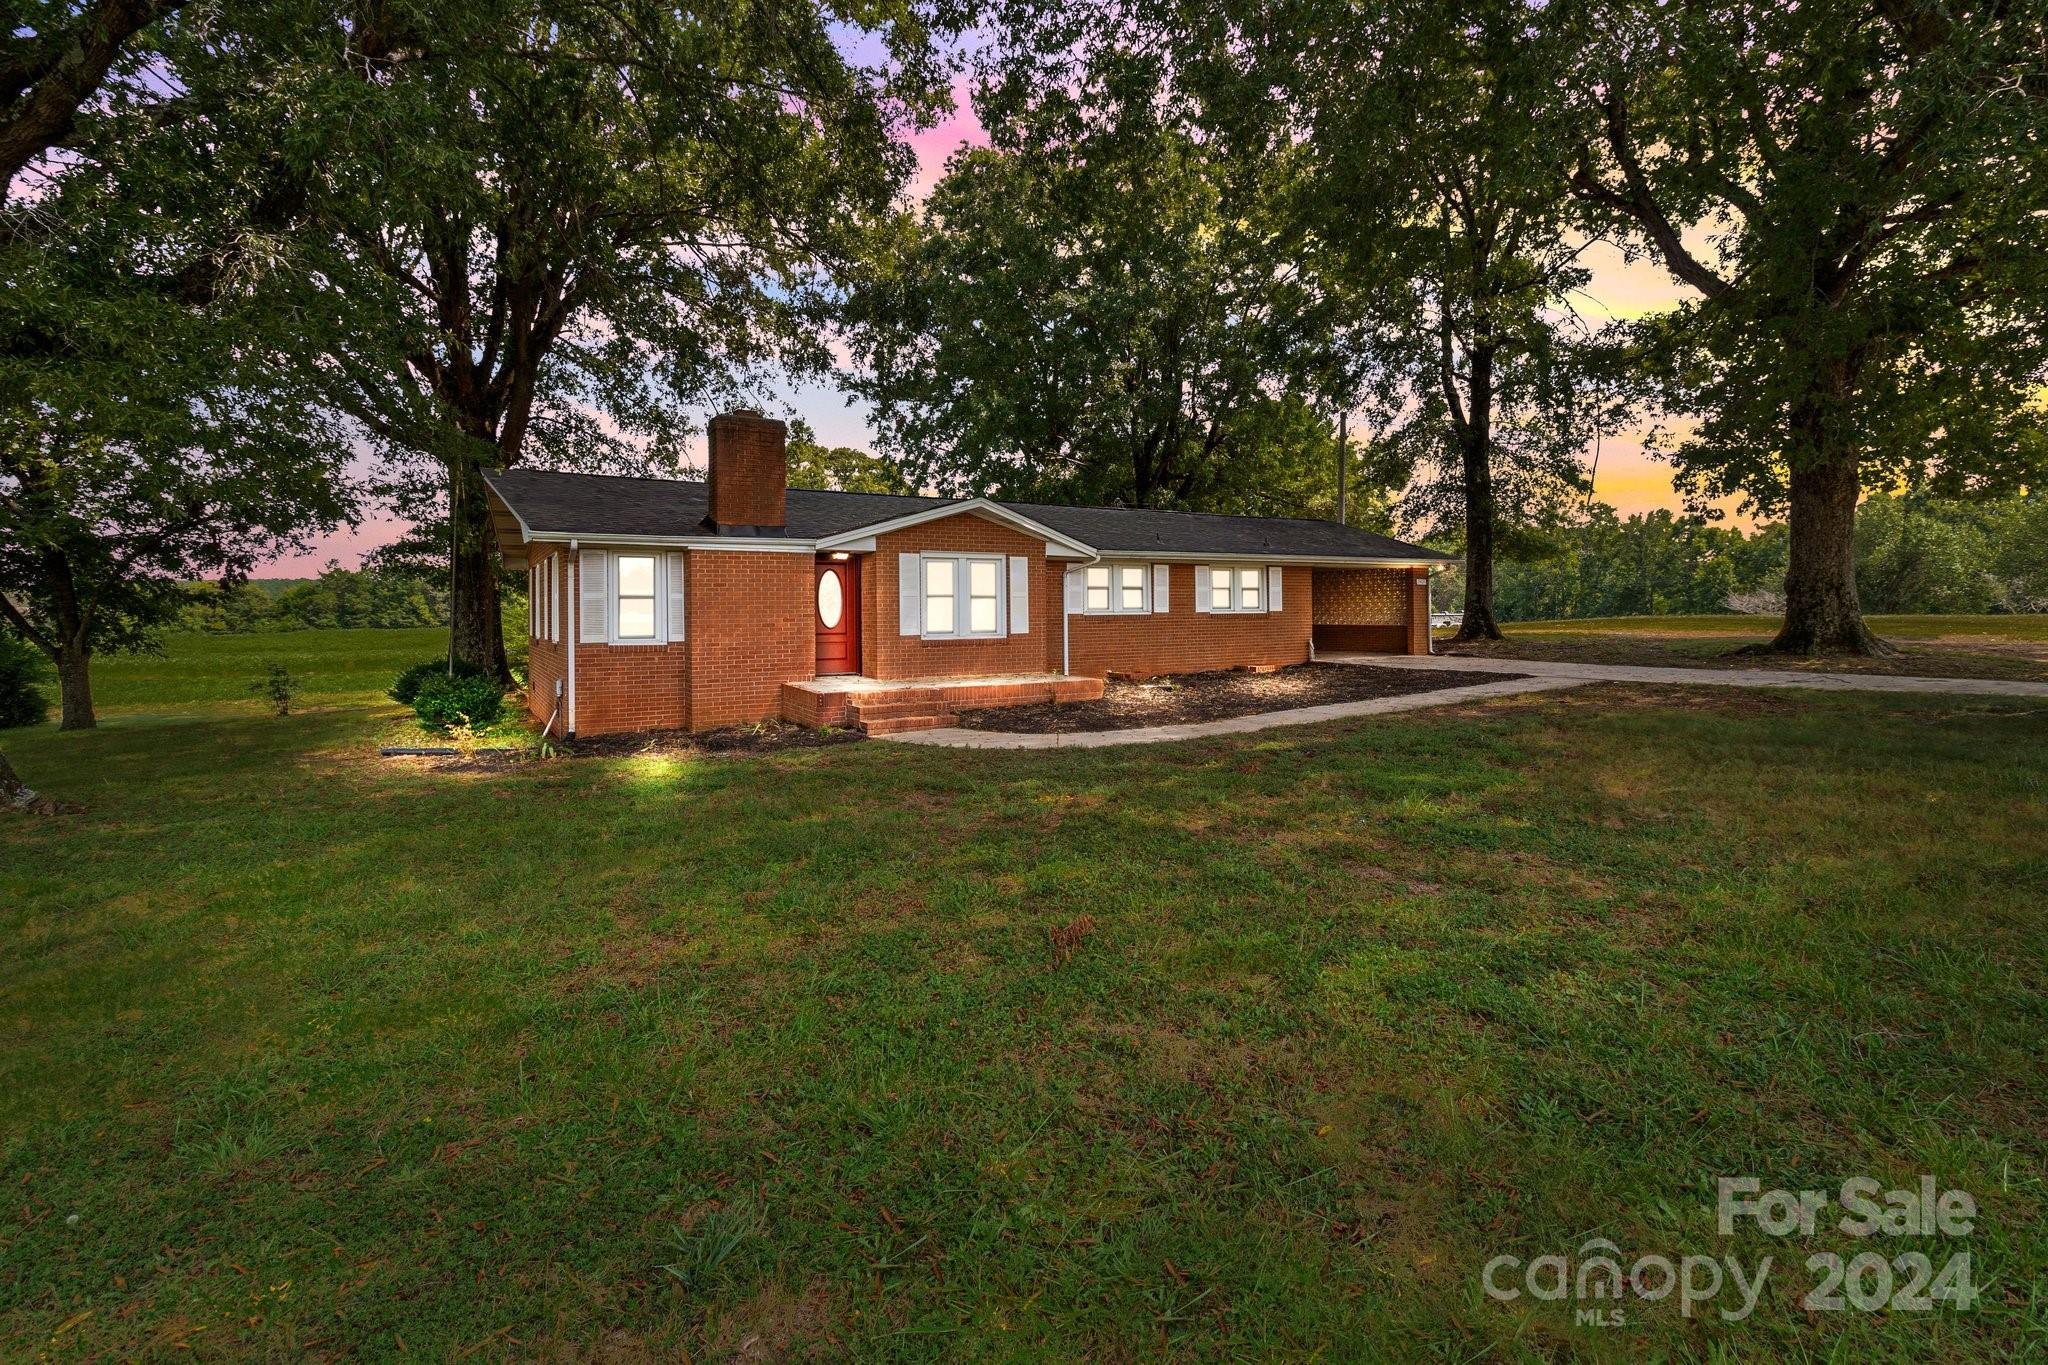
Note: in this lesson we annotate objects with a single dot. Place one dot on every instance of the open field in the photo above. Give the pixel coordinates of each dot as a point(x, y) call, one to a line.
point(1929, 646)
point(1244, 1048)
point(210, 673)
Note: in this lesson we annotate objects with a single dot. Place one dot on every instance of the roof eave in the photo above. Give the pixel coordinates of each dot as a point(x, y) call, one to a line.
point(986, 507)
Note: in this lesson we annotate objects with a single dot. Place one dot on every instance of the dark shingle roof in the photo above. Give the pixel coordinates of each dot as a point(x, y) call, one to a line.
point(597, 505)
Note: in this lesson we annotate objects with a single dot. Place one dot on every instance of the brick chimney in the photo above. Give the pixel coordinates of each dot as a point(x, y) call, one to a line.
point(749, 474)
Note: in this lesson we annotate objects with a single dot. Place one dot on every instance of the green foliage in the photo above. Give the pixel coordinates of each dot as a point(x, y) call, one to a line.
point(579, 223)
point(405, 688)
point(840, 467)
point(339, 598)
point(465, 700)
point(1656, 564)
point(1435, 170)
point(1092, 309)
point(277, 686)
point(1914, 555)
point(155, 430)
point(1873, 180)
point(1920, 554)
point(23, 671)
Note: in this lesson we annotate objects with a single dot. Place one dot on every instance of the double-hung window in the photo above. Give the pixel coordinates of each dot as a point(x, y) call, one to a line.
point(1237, 589)
point(1116, 588)
point(635, 602)
point(963, 596)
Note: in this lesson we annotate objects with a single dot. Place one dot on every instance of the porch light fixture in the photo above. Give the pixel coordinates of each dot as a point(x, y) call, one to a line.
point(841, 555)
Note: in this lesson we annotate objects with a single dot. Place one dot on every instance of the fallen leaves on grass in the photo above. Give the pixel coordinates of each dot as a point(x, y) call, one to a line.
point(1067, 937)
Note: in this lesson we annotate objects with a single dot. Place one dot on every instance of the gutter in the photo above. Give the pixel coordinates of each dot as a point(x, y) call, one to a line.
point(575, 628)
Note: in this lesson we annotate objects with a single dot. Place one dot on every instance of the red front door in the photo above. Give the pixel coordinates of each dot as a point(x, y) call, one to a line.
point(837, 604)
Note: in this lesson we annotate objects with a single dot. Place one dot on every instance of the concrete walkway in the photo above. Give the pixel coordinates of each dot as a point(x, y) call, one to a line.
point(1702, 677)
point(954, 737)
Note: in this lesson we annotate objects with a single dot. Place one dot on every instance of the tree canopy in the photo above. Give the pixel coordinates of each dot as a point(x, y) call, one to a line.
point(1099, 306)
point(153, 424)
point(581, 222)
point(1857, 197)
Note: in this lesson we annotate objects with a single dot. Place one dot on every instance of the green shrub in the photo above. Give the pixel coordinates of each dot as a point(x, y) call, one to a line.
point(277, 686)
point(443, 703)
point(406, 689)
point(22, 668)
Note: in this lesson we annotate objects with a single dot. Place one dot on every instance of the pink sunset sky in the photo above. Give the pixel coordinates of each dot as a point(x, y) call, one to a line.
point(1627, 478)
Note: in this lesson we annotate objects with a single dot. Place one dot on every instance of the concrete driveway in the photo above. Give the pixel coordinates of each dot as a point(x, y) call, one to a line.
point(1702, 677)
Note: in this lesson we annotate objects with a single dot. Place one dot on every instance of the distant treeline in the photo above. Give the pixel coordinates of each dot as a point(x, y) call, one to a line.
point(1914, 555)
point(338, 598)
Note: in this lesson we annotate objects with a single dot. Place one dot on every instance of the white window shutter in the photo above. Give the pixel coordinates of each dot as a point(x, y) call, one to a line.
point(1162, 583)
point(1274, 573)
point(1077, 592)
point(909, 595)
point(558, 575)
point(1020, 594)
point(533, 601)
point(1202, 588)
point(593, 611)
point(676, 623)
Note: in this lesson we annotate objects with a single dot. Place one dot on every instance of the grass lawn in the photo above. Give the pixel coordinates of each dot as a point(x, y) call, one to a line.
point(207, 673)
point(1248, 1048)
point(1929, 646)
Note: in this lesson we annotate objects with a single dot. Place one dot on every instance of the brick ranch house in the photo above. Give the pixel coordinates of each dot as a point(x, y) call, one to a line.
point(666, 604)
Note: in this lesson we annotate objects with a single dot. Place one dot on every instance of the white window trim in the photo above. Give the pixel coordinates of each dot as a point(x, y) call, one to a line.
point(660, 636)
point(1236, 589)
point(1115, 607)
point(960, 597)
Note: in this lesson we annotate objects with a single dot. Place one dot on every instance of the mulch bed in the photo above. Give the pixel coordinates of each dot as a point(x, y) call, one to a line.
point(1192, 697)
point(767, 737)
point(736, 740)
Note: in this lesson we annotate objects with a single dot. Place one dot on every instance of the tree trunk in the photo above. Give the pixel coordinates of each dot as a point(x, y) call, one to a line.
point(1822, 614)
point(15, 796)
point(475, 619)
point(74, 685)
point(1478, 623)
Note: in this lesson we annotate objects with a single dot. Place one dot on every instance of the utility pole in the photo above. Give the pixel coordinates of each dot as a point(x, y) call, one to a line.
point(1343, 464)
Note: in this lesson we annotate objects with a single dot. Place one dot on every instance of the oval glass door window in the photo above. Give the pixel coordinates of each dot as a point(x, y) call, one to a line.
point(831, 599)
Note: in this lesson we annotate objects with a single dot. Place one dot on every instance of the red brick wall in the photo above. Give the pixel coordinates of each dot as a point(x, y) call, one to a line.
point(749, 469)
point(751, 629)
point(623, 688)
point(1418, 612)
point(1186, 641)
point(546, 661)
point(886, 653)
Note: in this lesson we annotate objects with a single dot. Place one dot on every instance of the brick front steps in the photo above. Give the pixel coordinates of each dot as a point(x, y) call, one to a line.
point(890, 708)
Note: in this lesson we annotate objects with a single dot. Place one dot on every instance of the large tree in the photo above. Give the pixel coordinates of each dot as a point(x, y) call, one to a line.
point(1855, 193)
point(1434, 180)
point(150, 428)
point(1097, 307)
point(588, 219)
point(57, 58)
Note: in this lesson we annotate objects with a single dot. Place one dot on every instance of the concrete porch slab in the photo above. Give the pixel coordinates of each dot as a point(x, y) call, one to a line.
point(854, 684)
point(893, 705)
